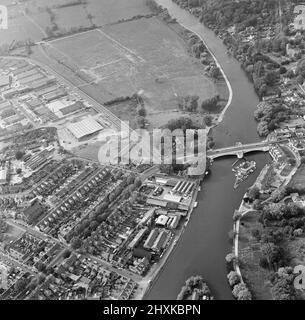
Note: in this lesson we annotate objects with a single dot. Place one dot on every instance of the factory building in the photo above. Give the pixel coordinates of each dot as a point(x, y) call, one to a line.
point(84, 129)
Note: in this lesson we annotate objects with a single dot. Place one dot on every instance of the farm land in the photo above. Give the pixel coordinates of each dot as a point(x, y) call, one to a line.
point(138, 56)
point(114, 51)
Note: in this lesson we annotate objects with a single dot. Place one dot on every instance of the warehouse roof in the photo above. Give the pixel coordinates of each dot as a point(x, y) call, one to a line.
point(4, 81)
point(84, 128)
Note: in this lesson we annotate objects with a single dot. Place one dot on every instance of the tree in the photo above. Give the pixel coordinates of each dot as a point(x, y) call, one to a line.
point(233, 278)
point(244, 295)
point(241, 292)
point(76, 243)
point(20, 285)
point(141, 122)
point(256, 233)
point(208, 120)
point(18, 171)
point(66, 253)
point(254, 193)
point(40, 266)
point(19, 155)
point(283, 70)
point(271, 78)
point(283, 287)
point(138, 182)
point(130, 179)
point(193, 3)
point(300, 79)
point(142, 112)
point(215, 73)
point(272, 253)
point(34, 283)
point(230, 258)
point(210, 104)
point(300, 70)
point(290, 74)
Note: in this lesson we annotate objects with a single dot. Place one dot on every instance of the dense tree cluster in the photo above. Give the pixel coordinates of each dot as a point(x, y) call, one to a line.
point(188, 103)
point(241, 292)
point(282, 284)
point(210, 104)
point(192, 284)
point(270, 115)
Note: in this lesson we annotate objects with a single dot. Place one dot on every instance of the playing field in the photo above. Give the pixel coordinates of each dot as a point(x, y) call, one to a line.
point(139, 56)
point(31, 19)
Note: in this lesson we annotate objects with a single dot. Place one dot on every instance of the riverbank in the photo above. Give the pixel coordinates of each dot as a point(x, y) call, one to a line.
point(204, 244)
point(205, 52)
point(257, 227)
point(154, 273)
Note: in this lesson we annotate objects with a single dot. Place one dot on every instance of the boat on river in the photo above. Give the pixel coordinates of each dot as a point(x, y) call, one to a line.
point(242, 171)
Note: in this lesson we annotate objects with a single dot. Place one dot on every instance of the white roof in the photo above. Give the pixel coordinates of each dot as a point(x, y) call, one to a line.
point(162, 220)
point(172, 198)
point(55, 106)
point(84, 128)
point(3, 174)
point(4, 80)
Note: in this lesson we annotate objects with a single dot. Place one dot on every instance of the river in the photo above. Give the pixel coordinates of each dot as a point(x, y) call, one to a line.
point(203, 246)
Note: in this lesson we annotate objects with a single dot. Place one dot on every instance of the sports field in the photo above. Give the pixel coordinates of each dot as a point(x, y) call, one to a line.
point(143, 56)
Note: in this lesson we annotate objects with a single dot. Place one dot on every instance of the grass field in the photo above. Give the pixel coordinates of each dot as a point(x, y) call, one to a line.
point(142, 55)
point(34, 25)
point(249, 254)
point(298, 180)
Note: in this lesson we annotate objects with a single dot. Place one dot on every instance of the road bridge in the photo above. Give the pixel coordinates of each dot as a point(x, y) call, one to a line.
point(240, 149)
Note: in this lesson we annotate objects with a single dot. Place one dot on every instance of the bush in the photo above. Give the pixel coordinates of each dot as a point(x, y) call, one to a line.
point(241, 292)
point(233, 278)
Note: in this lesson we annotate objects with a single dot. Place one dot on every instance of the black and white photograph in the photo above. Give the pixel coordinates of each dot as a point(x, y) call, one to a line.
point(152, 155)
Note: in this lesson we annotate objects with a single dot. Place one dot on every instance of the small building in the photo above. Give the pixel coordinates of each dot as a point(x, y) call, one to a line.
point(162, 220)
point(147, 216)
point(4, 81)
point(3, 176)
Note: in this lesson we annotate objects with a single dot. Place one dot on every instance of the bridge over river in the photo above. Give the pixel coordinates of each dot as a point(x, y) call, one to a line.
point(240, 149)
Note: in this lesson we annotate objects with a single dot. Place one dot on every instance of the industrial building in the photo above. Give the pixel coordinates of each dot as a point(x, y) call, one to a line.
point(161, 241)
point(3, 176)
point(162, 220)
point(61, 108)
point(135, 241)
point(84, 129)
point(151, 239)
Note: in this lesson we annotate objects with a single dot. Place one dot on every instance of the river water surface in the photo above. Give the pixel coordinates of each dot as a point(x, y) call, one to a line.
point(204, 244)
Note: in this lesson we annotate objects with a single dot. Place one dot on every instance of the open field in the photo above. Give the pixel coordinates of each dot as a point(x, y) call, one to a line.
point(298, 180)
point(68, 14)
point(250, 253)
point(19, 28)
point(138, 56)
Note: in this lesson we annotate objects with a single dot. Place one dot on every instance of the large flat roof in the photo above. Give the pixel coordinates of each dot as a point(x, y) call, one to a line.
point(4, 80)
point(84, 128)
